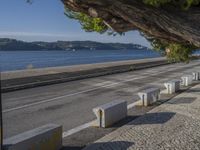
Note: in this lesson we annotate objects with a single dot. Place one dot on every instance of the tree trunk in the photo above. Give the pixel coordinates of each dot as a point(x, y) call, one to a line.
point(165, 23)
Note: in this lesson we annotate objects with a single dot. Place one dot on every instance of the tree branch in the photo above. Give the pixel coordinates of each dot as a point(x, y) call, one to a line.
point(166, 23)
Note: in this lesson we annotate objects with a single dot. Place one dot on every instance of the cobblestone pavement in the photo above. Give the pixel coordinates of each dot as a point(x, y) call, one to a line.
point(174, 125)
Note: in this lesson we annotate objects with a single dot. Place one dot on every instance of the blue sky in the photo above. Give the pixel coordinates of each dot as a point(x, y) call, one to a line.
point(44, 20)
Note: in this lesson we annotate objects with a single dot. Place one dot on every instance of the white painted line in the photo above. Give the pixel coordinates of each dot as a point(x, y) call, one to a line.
point(77, 129)
point(81, 92)
point(73, 94)
point(132, 105)
point(103, 83)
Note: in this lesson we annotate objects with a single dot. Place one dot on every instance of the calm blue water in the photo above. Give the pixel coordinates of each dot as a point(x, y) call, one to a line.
point(38, 59)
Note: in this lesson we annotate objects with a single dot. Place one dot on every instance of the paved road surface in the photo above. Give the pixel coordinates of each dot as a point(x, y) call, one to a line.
point(70, 104)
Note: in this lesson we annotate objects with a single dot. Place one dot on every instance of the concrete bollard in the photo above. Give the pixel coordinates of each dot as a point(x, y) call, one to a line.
point(48, 137)
point(149, 96)
point(172, 86)
point(110, 113)
point(196, 76)
point(187, 80)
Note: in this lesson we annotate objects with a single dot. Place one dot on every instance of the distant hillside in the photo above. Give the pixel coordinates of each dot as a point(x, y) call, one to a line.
point(14, 45)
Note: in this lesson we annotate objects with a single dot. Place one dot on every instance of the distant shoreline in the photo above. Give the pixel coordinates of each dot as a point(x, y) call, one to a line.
point(70, 50)
point(7, 44)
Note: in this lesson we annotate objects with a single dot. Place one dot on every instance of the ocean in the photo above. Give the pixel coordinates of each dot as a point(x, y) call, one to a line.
point(18, 60)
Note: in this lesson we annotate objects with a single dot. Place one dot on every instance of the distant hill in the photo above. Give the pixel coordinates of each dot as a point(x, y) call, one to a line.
point(15, 45)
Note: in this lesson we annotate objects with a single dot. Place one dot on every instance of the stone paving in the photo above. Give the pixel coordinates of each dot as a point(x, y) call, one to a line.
point(174, 125)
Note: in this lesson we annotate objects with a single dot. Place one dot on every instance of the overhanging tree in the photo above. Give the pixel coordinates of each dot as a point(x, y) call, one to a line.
point(172, 25)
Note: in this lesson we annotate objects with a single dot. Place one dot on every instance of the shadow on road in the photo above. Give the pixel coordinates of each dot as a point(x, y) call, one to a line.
point(182, 100)
point(196, 90)
point(153, 118)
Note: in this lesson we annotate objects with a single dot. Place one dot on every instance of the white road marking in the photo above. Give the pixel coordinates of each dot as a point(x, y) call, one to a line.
point(77, 129)
point(103, 83)
point(132, 104)
point(73, 94)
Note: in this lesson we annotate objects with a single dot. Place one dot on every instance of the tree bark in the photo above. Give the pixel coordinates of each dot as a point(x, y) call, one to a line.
point(165, 23)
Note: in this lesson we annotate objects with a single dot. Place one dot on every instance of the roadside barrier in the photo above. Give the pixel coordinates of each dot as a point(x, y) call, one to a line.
point(110, 113)
point(149, 96)
point(172, 86)
point(187, 80)
point(48, 137)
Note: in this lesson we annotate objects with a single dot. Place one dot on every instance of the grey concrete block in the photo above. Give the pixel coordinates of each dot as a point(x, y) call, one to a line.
point(149, 96)
point(48, 137)
point(172, 86)
point(196, 76)
point(187, 80)
point(110, 113)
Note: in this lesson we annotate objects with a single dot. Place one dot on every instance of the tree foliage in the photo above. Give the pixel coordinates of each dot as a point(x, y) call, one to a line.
point(89, 24)
point(178, 52)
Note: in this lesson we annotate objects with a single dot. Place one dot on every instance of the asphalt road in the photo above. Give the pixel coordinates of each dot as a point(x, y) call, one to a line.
point(70, 104)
